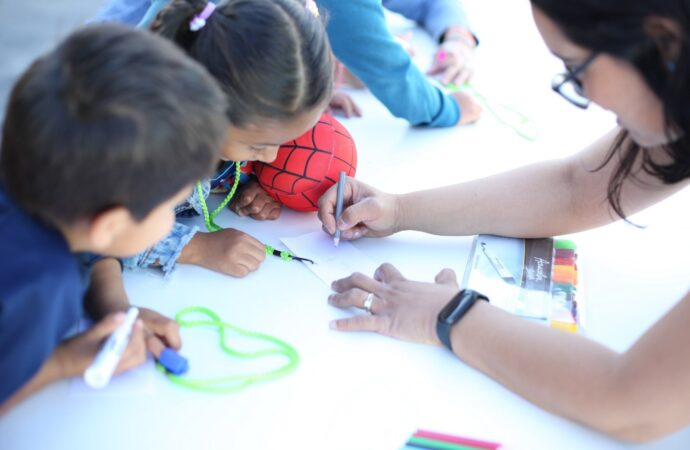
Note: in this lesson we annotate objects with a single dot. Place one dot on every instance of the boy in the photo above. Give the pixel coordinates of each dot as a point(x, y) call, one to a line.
point(102, 138)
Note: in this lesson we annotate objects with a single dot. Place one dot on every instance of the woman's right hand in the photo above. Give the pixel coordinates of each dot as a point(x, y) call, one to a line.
point(366, 211)
point(228, 251)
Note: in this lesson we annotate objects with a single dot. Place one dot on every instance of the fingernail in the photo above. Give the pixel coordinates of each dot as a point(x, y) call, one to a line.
point(333, 325)
point(119, 317)
point(331, 297)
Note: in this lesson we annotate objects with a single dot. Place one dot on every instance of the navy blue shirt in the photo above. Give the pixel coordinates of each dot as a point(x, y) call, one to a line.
point(41, 294)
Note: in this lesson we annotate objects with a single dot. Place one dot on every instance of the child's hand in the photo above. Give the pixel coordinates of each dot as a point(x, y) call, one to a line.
point(341, 102)
point(470, 111)
point(227, 251)
point(254, 202)
point(159, 331)
point(76, 354)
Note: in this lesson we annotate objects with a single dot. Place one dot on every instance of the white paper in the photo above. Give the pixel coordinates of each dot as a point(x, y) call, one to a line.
point(332, 263)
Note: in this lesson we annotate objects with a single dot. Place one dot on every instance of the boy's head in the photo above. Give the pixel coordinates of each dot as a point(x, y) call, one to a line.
point(103, 134)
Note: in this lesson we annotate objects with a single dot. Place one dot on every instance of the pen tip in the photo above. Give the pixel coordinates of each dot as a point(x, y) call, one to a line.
point(336, 241)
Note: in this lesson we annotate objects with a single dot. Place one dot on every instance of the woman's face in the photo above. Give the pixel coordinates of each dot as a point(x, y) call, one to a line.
point(612, 83)
point(260, 141)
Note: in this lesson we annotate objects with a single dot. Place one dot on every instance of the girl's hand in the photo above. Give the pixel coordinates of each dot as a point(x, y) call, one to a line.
point(254, 202)
point(341, 102)
point(228, 251)
point(400, 308)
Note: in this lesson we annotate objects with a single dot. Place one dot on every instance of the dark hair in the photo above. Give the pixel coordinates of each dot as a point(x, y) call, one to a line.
point(112, 117)
point(271, 57)
point(619, 28)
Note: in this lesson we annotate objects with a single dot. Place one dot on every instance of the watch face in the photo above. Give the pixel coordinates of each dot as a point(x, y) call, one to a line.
point(450, 313)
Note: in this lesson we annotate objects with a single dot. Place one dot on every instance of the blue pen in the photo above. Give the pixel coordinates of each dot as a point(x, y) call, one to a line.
point(339, 207)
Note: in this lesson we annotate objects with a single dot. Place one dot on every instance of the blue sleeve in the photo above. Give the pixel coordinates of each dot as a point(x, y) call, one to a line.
point(124, 11)
point(37, 308)
point(361, 39)
point(435, 16)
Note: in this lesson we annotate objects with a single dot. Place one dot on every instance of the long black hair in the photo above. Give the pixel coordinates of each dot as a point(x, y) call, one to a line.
point(620, 28)
point(271, 57)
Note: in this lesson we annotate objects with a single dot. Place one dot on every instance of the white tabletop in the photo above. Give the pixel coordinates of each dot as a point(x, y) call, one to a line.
point(363, 391)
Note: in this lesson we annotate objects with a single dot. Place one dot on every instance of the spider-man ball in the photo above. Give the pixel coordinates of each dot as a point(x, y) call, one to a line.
point(307, 166)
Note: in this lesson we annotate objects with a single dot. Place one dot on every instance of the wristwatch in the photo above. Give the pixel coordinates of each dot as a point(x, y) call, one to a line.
point(454, 311)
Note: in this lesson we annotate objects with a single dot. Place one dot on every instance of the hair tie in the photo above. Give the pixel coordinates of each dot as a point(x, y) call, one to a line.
point(199, 21)
point(312, 8)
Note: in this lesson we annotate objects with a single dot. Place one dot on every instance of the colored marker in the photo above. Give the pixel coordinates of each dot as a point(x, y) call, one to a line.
point(339, 206)
point(498, 266)
point(98, 374)
point(458, 440)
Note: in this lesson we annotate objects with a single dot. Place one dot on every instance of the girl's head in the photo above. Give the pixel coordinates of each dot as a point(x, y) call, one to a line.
point(272, 59)
point(632, 58)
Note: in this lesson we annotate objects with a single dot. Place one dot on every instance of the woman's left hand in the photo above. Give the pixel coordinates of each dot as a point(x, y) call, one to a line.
point(399, 308)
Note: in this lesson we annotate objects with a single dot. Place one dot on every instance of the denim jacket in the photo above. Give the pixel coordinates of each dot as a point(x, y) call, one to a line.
point(165, 253)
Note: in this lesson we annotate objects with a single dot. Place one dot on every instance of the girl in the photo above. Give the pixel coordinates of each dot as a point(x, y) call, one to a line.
point(632, 58)
point(272, 59)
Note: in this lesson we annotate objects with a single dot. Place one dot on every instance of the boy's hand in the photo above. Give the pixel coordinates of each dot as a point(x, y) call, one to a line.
point(159, 332)
point(76, 354)
point(254, 202)
point(227, 251)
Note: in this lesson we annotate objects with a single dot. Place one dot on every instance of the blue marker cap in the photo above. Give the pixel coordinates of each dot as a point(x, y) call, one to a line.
point(173, 362)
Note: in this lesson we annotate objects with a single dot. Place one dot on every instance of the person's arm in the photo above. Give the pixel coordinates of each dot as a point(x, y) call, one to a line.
point(73, 356)
point(507, 204)
point(106, 295)
point(360, 38)
point(638, 395)
point(446, 22)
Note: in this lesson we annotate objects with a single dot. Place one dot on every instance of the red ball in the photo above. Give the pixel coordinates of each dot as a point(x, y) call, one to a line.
point(307, 166)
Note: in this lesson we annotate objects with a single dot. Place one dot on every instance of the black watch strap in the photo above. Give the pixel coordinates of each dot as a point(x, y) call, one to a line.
point(454, 311)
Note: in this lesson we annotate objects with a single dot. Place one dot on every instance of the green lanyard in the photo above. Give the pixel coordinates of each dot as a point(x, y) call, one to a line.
point(510, 117)
point(211, 225)
point(233, 383)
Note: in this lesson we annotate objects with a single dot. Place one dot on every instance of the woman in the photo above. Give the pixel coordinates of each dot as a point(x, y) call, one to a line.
point(631, 58)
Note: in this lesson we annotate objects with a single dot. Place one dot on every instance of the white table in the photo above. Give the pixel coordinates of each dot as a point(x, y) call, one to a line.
point(362, 391)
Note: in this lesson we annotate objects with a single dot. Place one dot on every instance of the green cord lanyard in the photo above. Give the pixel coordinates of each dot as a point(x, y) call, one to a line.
point(233, 383)
point(211, 225)
point(510, 117)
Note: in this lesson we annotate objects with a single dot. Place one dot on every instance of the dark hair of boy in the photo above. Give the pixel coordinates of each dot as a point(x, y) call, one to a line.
point(79, 137)
point(271, 57)
point(623, 30)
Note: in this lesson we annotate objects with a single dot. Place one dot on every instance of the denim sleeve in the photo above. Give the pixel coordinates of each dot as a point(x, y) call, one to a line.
point(435, 16)
point(361, 39)
point(164, 253)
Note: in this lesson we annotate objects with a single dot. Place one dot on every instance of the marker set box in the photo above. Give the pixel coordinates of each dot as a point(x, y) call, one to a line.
point(533, 278)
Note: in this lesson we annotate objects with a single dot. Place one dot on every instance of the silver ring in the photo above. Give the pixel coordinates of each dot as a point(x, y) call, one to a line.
point(368, 302)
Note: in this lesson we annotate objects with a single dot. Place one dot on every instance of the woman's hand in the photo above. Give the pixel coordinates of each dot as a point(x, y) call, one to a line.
point(366, 211)
point(399, 308)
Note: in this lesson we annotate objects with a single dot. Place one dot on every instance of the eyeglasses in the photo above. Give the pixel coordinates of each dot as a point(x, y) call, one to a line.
point(570, 87)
